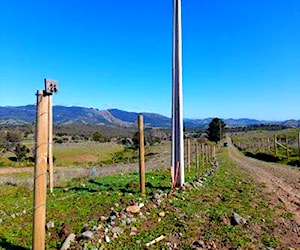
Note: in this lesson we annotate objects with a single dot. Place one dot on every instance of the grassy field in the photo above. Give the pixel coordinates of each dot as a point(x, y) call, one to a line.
point(74, 154)
point(201, 215)
point(85, 152)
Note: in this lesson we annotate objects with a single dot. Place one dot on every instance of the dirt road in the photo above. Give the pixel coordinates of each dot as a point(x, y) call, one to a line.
point(282, 182)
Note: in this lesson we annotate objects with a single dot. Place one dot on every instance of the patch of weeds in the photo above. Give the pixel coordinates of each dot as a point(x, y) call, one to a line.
point(270, 240)
point(287, 215)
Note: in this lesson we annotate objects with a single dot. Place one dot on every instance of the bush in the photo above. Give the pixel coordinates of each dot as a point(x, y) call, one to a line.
point(263, 156)
point(295, 163)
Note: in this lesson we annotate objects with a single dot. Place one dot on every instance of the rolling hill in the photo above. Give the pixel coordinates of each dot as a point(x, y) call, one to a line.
point(67, 115)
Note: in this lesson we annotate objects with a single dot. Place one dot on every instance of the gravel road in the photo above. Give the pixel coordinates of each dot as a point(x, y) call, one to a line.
point(282, 182)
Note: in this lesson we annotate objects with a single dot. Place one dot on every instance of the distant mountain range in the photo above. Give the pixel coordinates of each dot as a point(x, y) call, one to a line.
point(115, 117)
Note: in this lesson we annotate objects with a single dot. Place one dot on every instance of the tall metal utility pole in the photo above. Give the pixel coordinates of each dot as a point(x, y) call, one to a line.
point(177, 117)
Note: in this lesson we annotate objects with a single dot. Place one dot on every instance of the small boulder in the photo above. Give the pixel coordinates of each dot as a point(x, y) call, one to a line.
point(117, 230)
point(236, 219)
point(162, 214)
point(49, 225)
point(107, 239)
point(133, 209)
point(87, 235)
point(67, 243)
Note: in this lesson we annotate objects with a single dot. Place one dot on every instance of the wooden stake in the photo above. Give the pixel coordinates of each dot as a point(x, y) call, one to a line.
point(197, 156)
point(189, 155)
point(142, 154)
point(40, 173)
point(275, 145)
point(158, 239)
point(50, 145)
point(299, 144)
point(206, 154)
point(287, 147)
point(203, 155)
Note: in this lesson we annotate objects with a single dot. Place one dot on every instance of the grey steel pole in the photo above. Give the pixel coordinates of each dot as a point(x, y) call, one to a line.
point(177, 110)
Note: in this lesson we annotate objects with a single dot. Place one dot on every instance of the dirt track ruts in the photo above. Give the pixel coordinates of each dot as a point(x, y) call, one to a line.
point(283, 182)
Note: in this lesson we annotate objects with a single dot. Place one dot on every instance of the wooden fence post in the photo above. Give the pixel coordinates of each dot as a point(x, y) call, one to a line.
point(202, 155)
point(40, 172)
point(142, 154)
point(206, 154)
point(189, 155)
point(299, 144)
point(287, 147)
point(50, 145)
point(275, 145)
point(197, 156)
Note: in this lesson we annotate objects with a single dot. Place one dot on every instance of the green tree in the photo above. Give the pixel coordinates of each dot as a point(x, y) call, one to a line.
point(14, 137)
point(135, 140)
point(9, 140)
point(21, 151)
point(216, 129)
point(97, 136)
point(4, 145)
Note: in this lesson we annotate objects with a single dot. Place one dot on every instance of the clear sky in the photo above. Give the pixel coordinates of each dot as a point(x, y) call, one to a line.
point(240, 58)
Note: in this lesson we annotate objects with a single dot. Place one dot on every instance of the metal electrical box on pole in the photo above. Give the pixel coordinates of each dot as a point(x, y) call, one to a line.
point(177, 109)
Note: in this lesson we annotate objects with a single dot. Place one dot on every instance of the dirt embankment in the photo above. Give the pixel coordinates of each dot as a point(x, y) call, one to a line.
point(282, 182)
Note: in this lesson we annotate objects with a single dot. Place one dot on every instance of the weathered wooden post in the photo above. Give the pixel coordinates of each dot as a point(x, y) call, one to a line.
point(40, 172)
point(202, 155)
point(268, 143)
point(206, 154)
point(43, 157)
point(50, 145)
point(142, 154)
point(275, 144)
point(299, 144)
point(197, 156)
point(287, 147)
point(188, 152)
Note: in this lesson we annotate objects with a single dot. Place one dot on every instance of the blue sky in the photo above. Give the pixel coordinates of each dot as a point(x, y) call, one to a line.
point(240, 58)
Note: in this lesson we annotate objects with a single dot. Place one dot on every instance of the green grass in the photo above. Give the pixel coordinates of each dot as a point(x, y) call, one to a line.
point(192, 214)
point(87, 152)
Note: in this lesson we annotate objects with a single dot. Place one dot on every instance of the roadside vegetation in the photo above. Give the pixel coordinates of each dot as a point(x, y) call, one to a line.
point(220, 207)
point(203, 214)
point(260, 144)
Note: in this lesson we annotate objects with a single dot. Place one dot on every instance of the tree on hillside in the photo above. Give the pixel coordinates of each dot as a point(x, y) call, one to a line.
point(97, 136)
point(21, 151)
point(4, 146)
point(9, 140)
point(216, 129)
